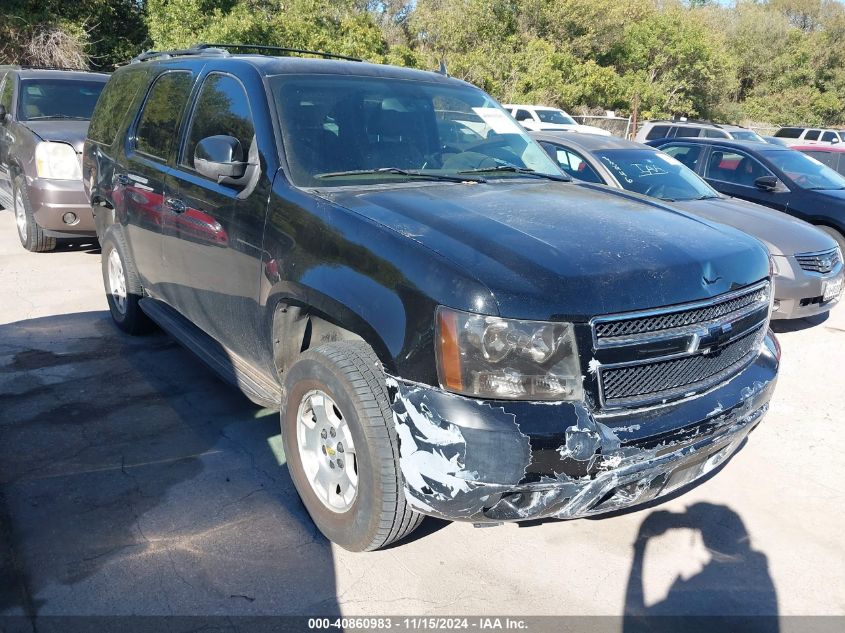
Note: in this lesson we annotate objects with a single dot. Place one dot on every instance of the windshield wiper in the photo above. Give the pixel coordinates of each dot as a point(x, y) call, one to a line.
point(400, 172)
point(518, 170)
point(56, 116)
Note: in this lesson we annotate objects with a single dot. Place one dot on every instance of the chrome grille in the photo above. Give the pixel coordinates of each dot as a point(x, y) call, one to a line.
point(679, 317)
point(823, 262)
point(670, 353)
point(673, 378)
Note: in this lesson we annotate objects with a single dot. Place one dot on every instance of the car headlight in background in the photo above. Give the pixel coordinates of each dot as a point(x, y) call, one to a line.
point(506, 359)
point(57, 161)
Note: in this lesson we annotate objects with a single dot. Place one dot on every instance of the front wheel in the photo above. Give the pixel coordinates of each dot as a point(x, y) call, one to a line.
point(31, 235)
point(341, 447)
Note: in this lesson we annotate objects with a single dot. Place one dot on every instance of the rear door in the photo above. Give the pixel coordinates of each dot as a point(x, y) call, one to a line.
point(215, 228)
point(734, 172)
point(140, 185)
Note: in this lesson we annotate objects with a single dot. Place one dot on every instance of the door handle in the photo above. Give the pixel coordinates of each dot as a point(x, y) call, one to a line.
point(175, 205)
point(123, 179)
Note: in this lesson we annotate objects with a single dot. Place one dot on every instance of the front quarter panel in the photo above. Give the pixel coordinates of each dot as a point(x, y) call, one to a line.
point(363, 276)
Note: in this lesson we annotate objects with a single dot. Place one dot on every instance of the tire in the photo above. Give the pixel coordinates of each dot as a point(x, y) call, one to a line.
point(29, 233)
point(840, 239)
point(350, 375)
point(123, 305)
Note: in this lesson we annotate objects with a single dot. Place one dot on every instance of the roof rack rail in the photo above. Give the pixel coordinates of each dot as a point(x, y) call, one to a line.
point(280, 49)
point(222, 50)
point(201, 49)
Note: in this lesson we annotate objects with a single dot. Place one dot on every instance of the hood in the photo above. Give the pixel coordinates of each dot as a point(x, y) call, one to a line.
point(781, 233)
point(551, 250)
point(65, 130)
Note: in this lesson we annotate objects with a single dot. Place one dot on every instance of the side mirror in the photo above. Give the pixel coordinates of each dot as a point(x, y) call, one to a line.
point(766, 183)
point(3, 114)
point(833, 141)
point(220, 157)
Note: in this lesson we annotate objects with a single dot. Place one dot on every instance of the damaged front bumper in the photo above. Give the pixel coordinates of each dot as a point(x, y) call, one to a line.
point(484, 461)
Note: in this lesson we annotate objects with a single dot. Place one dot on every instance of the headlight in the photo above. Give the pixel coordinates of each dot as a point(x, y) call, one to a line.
point(57, 161)
point(489, 357)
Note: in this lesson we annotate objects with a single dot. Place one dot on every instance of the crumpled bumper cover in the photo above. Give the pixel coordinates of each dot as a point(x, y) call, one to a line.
point(484, 461)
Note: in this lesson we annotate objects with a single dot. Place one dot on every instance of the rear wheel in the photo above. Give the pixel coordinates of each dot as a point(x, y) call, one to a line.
point(123, 286)
point(31, 235)
point(342, 449)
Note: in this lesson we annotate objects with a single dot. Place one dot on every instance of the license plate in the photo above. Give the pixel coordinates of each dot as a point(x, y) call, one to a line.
point(832, 290)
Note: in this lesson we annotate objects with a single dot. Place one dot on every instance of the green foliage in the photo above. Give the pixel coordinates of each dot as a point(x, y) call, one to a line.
point(772, 61)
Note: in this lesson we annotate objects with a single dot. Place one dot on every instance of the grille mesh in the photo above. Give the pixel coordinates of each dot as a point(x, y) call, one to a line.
point(665, 377)
point(641, 325)
point(819, 262)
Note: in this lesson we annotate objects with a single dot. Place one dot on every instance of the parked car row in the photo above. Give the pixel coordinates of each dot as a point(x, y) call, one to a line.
point(449, 323)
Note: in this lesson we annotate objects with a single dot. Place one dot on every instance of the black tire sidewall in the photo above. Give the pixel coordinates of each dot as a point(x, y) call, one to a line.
point(133, 321)
point(355, 528)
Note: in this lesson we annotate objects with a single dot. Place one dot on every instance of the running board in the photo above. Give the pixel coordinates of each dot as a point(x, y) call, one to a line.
point(255, 384)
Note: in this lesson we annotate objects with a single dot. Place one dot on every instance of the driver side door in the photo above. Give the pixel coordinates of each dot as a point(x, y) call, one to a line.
point(734, 173)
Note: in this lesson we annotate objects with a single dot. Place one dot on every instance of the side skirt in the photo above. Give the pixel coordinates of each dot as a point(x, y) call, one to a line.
point(255, 384)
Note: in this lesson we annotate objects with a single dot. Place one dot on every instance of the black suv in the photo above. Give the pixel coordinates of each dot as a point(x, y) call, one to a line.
point(449, 331)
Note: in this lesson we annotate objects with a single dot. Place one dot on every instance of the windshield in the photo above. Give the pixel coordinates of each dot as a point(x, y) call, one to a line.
point(655, 174)
point(747, 135)
point(804, 171)
point(58, 99)
point(555, 116)
point(385, 130)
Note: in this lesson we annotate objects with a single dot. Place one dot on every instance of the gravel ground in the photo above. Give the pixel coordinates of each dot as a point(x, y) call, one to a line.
point(133, 481)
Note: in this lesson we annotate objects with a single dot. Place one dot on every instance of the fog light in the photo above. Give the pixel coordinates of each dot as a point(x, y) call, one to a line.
point(775, 305)
point(70, 218)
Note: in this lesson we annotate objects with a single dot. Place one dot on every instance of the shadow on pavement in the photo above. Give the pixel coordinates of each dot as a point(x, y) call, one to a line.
point(734, 584)
point(133, 481)
point(782, 326)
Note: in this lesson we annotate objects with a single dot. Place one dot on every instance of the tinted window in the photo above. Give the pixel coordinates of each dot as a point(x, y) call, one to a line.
point(222, 107)
point(806, 172)
point(830, 137)
point(734, 167)
point(828, 158)
point(687, 131)
point(113, 104)
point(333, 124)
point(788, 132)
point(523, 115)
point(686, 154)
point(655, 174)
point(658, 131)
point(812, 135)
point(6, 94)
point(555, 116)
point(57, 99)
point(714, 133)
point(159, 120)
point(572, 163)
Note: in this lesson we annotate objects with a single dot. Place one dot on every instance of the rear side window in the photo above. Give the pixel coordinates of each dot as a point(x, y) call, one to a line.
point(6, 95)
point(828, 158)
point(222, 107)
point(812, 135)
point(708, 133)
point(658, 131)
point(687, 131)
point(113, 104)
point(686, 154)
point(788, 132)
point(523, 115)
point(159, 121)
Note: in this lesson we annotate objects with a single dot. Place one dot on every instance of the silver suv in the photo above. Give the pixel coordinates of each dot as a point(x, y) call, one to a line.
point(653, 130)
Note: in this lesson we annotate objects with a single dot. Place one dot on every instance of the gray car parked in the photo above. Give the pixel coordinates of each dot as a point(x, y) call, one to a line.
point(44, 116)
point(807, 263)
